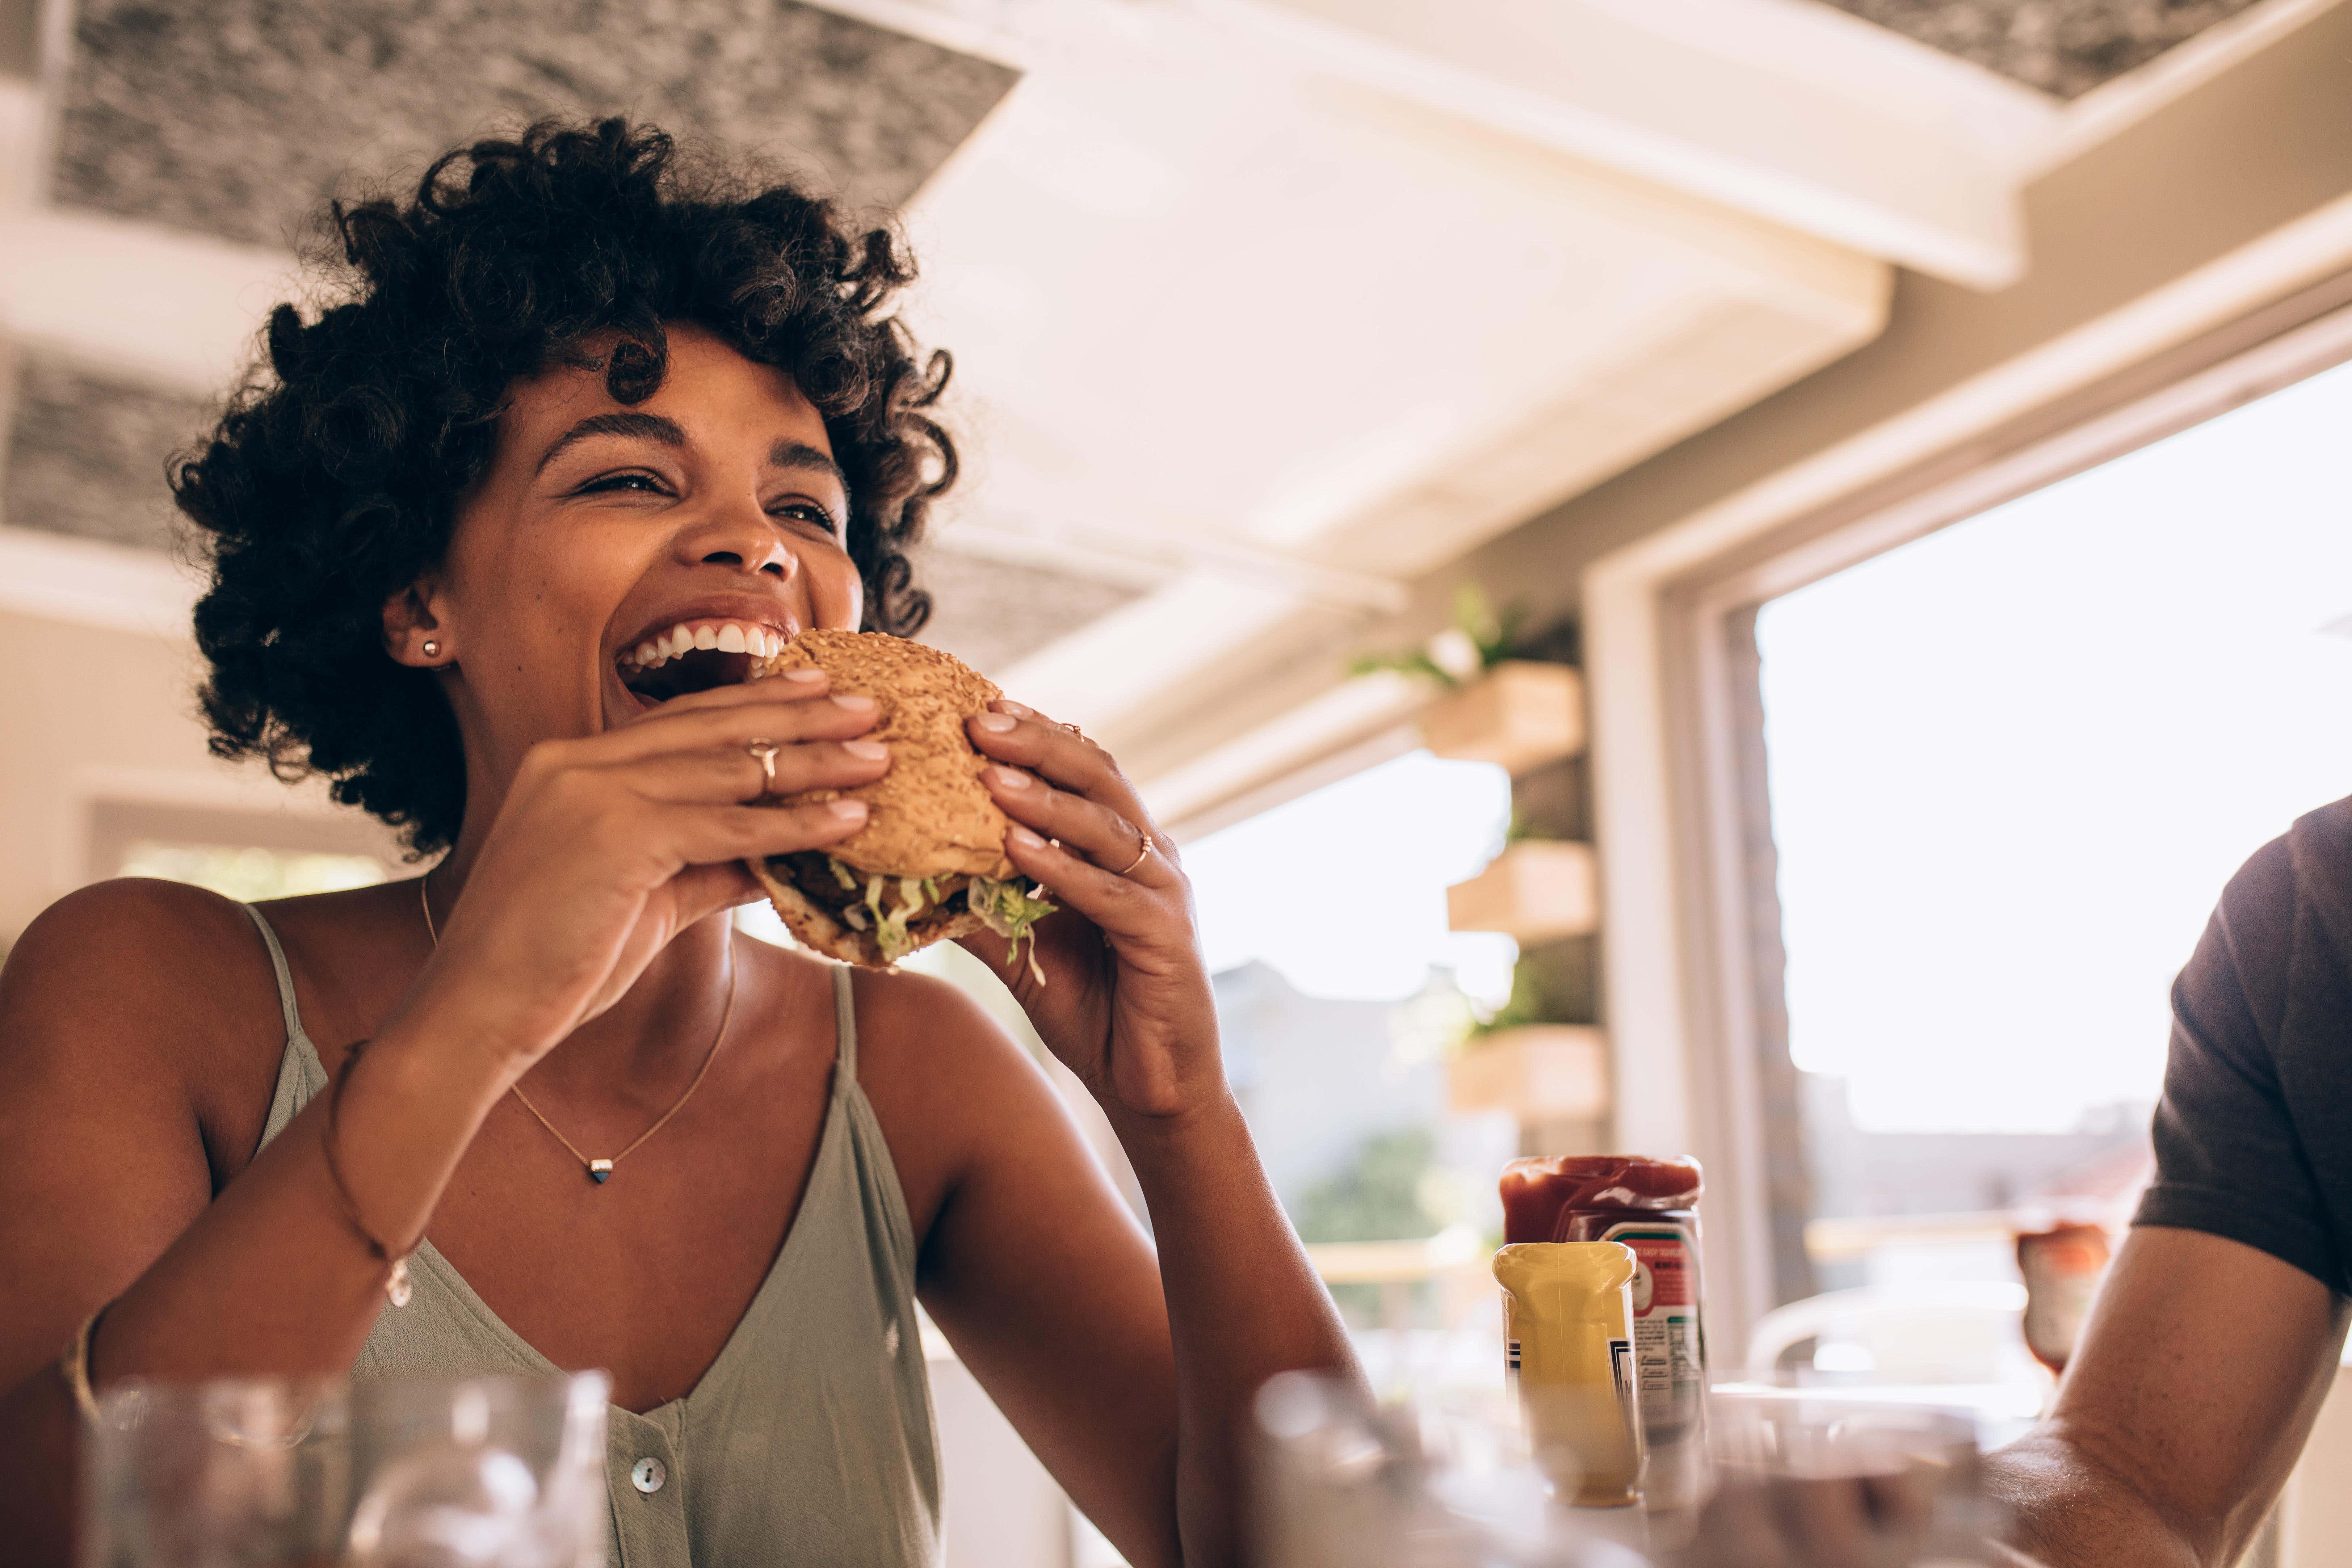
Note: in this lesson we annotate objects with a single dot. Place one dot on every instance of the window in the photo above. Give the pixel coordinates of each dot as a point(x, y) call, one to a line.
point(2011, 764)
point(246, 873)
point(244, 854)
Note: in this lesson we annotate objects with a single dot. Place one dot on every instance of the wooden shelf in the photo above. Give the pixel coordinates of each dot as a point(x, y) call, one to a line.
point(1519, 715)
point(1538, 890)
point(1536, 1071)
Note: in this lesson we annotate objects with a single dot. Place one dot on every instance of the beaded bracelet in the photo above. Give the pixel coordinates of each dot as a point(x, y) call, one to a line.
point(395, 1284)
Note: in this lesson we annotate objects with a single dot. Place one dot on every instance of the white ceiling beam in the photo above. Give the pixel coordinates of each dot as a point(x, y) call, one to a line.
point(1787, 111)
point(1151, 562)
point(94, 584)
point(175, 309)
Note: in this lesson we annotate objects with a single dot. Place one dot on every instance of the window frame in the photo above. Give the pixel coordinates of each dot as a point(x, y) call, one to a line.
point(1693, 977)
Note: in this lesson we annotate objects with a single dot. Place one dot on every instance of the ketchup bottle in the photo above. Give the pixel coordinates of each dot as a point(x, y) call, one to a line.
point(1649, 1206)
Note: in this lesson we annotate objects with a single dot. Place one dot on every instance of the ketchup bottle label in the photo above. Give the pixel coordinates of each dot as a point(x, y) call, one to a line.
point(1667, 1348)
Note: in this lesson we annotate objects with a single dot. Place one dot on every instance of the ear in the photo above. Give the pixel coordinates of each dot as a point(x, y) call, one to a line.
point(412, 618)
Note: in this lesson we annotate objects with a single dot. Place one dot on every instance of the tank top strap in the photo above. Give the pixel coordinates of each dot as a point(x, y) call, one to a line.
point(285, 1003)
point(844, 1030)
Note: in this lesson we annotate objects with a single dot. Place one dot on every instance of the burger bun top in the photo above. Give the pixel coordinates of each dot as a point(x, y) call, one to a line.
point(929, 815)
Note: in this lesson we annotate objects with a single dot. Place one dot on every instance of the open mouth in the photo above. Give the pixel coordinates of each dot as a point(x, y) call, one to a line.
point(695, 656)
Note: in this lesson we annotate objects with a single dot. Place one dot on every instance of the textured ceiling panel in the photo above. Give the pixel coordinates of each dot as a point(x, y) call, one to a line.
point(2063, 46)
point(86, 458)
point(990, 614)
point(86, 454)
point(237, 117)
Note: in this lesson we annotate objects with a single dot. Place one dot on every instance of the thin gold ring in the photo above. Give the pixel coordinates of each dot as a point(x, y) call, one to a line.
point(1140, 854)
point(764, 752)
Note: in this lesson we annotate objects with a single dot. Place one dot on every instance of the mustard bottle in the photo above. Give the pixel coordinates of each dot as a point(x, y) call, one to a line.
point(1568, 1315)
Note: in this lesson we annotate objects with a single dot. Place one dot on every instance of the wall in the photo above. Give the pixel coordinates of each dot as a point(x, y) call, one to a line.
point(93, 714)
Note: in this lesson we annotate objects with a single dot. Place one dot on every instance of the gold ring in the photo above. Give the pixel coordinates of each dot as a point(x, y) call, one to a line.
point(764, 752)
point(1140, 854)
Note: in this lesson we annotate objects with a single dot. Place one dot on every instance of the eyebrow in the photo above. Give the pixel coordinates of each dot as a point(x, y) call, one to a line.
point(653, 427)
point(646, 426)
point(800, 455)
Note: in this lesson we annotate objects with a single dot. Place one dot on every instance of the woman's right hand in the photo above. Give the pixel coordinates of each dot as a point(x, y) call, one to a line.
point(608, 847)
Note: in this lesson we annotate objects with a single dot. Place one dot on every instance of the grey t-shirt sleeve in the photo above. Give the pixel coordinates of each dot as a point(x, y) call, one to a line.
point(2230, 1160)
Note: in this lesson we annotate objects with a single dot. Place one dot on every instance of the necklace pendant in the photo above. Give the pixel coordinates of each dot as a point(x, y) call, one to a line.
point(600, 1170)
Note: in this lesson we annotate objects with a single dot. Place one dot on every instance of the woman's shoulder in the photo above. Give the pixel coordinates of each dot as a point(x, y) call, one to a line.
point(919, 1031)
point(172, 928)
point(142, 975)
point(949, 1085)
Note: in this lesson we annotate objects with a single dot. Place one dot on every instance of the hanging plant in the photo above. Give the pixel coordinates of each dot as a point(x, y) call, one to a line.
point(1481, 637)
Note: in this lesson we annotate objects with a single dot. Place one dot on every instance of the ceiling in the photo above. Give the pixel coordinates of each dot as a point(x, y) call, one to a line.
point(1264, 310)
point(2063, 46)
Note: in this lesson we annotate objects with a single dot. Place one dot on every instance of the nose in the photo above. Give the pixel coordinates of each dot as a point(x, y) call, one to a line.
point(747, 542)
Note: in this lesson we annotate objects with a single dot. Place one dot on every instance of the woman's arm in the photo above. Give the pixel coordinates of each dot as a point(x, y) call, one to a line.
point(1051, 1293)
point(110, 1016)
point(1127, 1004)
point(605, 849)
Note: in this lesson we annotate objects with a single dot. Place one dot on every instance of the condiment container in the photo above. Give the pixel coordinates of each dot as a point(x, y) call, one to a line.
point(1568, 1352)
point(1650, 1206)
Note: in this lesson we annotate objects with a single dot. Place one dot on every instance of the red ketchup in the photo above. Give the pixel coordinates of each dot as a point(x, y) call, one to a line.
point(1649, 1206)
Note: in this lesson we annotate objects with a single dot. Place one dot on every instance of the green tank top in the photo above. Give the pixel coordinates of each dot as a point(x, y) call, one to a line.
point(810, 1441)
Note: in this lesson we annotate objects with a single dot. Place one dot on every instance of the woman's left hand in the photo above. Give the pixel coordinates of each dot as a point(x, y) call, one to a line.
point(1126, 1003)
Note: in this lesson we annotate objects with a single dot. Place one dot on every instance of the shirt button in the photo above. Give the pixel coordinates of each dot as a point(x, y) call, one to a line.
point(647, 1476)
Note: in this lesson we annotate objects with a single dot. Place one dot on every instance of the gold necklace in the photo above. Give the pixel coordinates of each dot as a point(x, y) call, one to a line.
point(600, 1170)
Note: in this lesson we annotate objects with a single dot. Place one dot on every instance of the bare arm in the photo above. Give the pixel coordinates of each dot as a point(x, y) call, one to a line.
point(101, 1133)
point(605, 850)
point(1128, 1375)
point(2202, 1370)
point(1127, 1006)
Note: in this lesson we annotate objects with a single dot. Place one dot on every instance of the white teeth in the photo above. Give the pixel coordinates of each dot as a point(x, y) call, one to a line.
point(728, 637)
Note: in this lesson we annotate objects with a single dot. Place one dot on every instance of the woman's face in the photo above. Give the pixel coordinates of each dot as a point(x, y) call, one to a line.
point(616, 556)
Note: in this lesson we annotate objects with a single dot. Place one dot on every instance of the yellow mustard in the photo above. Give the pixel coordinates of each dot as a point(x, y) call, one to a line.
point(1568, 1313)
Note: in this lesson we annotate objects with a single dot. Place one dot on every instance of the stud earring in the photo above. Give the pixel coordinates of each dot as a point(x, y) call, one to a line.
point(432, 649)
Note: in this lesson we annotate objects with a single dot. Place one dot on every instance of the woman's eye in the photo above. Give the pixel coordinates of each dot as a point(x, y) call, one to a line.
point(607, 483)
point(809, 511)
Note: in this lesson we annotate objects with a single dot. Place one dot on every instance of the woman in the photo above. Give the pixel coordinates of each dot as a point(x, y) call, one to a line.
point(578, 394)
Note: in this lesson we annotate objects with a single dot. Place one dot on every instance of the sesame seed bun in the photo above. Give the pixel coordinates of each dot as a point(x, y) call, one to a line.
point(929, 815)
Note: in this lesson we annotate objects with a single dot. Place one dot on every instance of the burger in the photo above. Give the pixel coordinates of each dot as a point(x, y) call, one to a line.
point(929, 863)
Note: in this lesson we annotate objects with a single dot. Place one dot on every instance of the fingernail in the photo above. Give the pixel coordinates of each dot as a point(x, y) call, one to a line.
point(848, 810)
point(1011, 778)
point(1023, 837)
point(855, 704)
point(867, 751)
point(805, 677)
point(995, 723)
point(1012, 708)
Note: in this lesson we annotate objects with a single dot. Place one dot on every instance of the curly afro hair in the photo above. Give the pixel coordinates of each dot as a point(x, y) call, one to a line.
point(332, 481)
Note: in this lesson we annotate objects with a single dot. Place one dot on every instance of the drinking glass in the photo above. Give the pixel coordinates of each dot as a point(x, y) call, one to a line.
point(1840, 1480)
point(238, 1473)
point(478, 1472)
